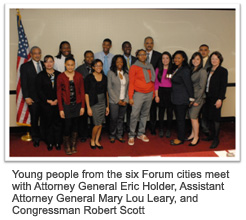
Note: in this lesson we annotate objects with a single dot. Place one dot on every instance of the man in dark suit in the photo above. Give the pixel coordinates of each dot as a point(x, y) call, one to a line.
point(130, 60)
point(153, 57)
point(127, 49)
point(28, 75)
point(204, 51)
point(85, 69)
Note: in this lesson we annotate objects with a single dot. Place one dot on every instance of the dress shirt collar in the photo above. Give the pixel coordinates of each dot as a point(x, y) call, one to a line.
point(130, 57)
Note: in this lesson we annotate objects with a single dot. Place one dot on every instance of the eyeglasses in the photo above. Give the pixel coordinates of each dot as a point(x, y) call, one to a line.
point(142, 54)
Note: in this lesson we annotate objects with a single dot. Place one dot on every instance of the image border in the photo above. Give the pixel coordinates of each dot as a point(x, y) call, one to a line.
point(124, 6)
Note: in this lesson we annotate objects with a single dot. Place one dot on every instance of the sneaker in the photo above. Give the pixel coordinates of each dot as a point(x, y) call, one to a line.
point(131, 141)
point(143, 138)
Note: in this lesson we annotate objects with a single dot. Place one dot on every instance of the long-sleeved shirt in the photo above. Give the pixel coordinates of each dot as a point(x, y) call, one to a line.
point(137, 82)
point(63, 90)
point(164, 81)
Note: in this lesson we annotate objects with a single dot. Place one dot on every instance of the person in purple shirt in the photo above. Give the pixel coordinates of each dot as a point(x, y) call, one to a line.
point(163, 88)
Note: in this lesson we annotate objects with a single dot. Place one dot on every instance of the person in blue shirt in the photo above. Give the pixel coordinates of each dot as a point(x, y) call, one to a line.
point(105, 56)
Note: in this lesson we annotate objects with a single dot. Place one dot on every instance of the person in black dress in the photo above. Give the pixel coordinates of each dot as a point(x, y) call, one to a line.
point(97, 101)
point(46, 87)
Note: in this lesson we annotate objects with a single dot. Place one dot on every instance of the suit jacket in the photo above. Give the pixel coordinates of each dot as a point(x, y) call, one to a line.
point(28, 76)
point(155, 59)
point(133, 60)
point(207, 65)
point(114, 87)
point(199, 80)
point(83, 70)
point(44, 87)
point(182, 88)
point(218, 83)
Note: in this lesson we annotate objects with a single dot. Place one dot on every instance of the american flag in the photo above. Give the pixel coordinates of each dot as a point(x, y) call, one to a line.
point(23, 115)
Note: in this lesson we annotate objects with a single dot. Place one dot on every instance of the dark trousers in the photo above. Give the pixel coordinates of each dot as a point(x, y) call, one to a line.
point(165, 104)
point(180, 112)
point(84, 129)
point(152, 116)
point(212, 117)
point(52, 124)
point(34, 110)
point(204, 121)
point(116, 120)
point(70, 125)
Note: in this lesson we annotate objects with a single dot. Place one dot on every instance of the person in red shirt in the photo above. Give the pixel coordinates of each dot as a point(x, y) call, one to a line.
point(141, 92)
point(71, 103)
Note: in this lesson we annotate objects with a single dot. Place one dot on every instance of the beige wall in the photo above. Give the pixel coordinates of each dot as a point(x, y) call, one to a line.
point(86, 28)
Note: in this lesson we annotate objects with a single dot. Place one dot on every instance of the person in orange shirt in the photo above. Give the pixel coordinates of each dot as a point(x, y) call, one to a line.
point(141, 92)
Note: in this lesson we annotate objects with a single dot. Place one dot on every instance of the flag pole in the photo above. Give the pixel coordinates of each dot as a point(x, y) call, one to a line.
point(27, 136)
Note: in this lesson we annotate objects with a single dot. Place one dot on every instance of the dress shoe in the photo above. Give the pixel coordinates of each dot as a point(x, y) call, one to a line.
point(99, 147)
point(190, 139)
point(176, 142)
point(122, 140)
point(192, 145)
point(168, 133)
point(58, 147)
point(161, 133)
point(36, 143)
point(83, 139)
point(214, 144)
point(93, 147)
point(153, 132)
point(112, 140)
point(206, 133)
point(209, 138)
point(50, 147)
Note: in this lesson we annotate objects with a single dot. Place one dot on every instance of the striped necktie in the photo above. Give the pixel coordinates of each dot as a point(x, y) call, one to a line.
point(38, 68)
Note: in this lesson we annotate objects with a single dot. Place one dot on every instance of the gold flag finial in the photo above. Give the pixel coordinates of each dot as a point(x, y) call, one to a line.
point(18, 14)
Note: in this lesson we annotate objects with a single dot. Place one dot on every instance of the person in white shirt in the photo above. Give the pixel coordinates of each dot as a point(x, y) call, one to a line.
point(28, 76)
point(64, 52)
point(118, 81)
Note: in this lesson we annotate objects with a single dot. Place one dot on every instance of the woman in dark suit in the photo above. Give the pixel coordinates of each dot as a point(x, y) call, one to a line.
point(46, 87)
point(215, 94)
point(199, 79)
point(118, 81)
point(182, 93)
point(96, 97)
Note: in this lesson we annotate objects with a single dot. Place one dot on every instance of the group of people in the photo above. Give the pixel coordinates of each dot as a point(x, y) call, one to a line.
point(107, 87)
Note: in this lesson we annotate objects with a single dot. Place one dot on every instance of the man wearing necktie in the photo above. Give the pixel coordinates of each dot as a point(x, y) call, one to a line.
point(130, 60)
point(154, 58)
point(28, 75)
point(105, 56)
